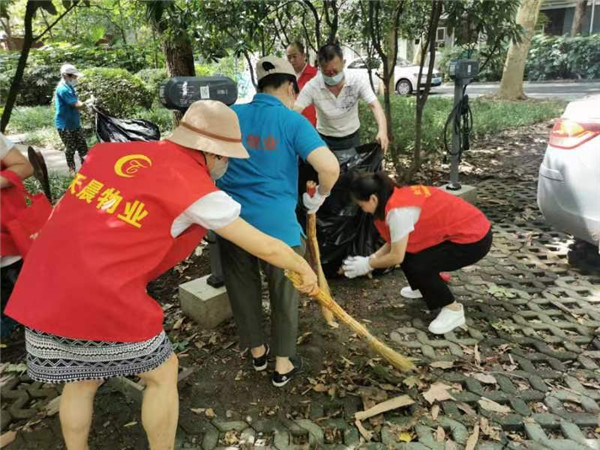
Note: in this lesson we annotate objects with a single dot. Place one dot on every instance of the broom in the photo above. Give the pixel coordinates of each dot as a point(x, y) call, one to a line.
point(313, 248)
point(400, 362)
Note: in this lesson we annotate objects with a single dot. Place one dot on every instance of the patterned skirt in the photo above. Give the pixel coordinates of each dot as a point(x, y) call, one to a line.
point(55, 359)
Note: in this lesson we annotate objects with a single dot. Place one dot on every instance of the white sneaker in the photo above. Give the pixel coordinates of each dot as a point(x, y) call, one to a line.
point(447, 320)
point(407, 292)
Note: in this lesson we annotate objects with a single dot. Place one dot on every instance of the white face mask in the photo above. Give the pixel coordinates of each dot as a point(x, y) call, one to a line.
point(219, 168)
point(72, 82)
point(332, 81)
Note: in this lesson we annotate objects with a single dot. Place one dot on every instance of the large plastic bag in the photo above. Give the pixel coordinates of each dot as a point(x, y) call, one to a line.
point(343, 229)
point(111, 129)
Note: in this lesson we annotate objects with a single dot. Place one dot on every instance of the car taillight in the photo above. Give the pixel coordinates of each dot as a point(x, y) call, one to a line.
point(569, 134)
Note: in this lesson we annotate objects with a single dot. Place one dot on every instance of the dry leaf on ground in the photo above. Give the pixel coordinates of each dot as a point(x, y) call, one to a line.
point(472, 441)
point(53, 406)
point(491, 405)
point(440, 434)
point(210, 413)
point(442, 364)
point(388, 405)
point(435, 411)
point(484, 378)
point(439, 392)
point(405, 436)
point(198, 410)
point(320, 387)
point(466, 409)
point(366, 434)
point(7, 438)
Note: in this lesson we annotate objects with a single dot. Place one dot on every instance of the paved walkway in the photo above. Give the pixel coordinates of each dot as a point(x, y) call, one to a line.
point(55, 160)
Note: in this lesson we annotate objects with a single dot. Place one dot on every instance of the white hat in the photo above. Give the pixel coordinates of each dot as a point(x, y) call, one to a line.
point(211, 127)
point(70, 69)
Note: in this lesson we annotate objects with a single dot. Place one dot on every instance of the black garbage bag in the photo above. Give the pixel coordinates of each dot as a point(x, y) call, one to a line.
point(111, 129)
point(343, 229)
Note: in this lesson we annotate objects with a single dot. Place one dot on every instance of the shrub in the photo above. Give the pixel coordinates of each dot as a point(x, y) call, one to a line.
point(556, 57)
point(58, 185)
point(158, 115)
point(117, 91)
point(25, 119)
point(153, 79)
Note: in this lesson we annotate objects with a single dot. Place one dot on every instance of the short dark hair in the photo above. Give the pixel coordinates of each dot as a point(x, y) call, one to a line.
point(329, 51)
point(379, 184)
point(276, 80)
point(298, 45)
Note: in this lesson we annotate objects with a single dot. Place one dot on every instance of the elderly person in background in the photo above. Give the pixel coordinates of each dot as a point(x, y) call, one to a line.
point(304, 73)
point(133, 211)
point(335, 94)
point(67, 118)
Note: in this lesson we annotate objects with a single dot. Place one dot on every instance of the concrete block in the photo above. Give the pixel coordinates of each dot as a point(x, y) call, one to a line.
point(466, 192)
point(207, 306)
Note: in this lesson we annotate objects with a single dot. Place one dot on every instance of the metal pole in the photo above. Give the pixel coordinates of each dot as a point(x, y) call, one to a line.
point(592, 18)
point(454, 185)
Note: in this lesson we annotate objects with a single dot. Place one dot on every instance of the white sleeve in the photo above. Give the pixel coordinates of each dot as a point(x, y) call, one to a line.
point(6, 146)
point(401, 221)
point(305, 97)
point(213, 211)
point(366, 92)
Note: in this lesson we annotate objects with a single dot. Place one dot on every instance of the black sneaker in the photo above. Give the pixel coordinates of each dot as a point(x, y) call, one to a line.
point(261, 362)
point(280, 380)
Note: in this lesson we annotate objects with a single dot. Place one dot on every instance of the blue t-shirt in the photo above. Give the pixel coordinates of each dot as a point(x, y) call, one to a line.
point(266, 184)
point(66, 116)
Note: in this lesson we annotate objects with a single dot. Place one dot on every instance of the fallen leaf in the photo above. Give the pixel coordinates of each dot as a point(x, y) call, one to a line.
point(485, 378)
point(440, 434)
point(450, 445)
point(490, 405)
point(366, 434)
point(198, 410)
point(130, 424)
point(477, 355)
point(411, 381)
point(466, 409)
point(239, 375)
point(439, 392)
point(472, 441)
point(210, 413)
point(53, 406)
point(7, 438)
point(302, 338)
point(320, 387)
point(435, 412)
point(442, 364)
point(405, 436)
point(388, 405)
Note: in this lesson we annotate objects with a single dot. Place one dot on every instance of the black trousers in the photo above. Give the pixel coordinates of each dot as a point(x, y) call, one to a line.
point(423, 269)
point(8, 279)
point(342, 143)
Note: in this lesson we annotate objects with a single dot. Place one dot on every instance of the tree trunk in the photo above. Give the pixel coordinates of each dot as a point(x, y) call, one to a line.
point(578, 17)
point(511, 86)
point(16, 82)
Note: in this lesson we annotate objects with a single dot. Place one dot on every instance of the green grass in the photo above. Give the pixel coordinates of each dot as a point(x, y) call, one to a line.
point(58, 185)
point(27, 119)
point(489, 117)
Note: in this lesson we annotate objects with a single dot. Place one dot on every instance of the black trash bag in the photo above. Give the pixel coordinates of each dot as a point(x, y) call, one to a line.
point(111, 129)
point(343, 229)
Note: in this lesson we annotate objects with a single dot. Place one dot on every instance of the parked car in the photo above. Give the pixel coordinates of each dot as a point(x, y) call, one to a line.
point(405, 74)
point(569, 179)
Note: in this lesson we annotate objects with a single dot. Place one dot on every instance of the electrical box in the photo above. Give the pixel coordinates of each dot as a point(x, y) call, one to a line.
point(180, 92)
point(463, 69)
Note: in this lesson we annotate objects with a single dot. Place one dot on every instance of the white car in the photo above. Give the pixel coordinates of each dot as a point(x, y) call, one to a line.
point(405, 74)
point(569, 180)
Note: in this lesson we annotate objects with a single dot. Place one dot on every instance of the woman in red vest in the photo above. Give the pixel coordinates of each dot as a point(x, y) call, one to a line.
point(427, 231)
point(133, 211)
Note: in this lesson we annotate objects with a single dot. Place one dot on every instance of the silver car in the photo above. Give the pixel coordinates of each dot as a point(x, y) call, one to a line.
point(569, 182)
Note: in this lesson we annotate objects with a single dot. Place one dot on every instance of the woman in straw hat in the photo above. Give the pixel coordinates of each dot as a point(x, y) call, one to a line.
point(133, 211)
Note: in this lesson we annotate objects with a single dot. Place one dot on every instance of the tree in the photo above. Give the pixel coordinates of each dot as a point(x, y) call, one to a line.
point(511, 85)
point(31, 9)
point(578, 17)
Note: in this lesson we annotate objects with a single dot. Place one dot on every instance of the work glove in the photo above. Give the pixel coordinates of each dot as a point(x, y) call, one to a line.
point(356, 266)
point(89, 102)
point(314, 202)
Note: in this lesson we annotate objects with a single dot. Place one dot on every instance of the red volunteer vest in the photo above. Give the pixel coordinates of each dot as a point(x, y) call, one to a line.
point(108, 237)
point(444, 217)
point(308, 74)
point(12, 202)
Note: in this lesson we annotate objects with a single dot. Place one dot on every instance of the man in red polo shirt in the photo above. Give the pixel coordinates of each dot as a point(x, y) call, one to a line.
point(304, 73)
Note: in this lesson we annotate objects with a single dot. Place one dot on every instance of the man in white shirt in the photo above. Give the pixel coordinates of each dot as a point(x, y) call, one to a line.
point(335, 95)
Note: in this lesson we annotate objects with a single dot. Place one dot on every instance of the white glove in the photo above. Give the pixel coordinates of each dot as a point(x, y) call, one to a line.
point(90, 102)
point(313, 203)
point(356, 266)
